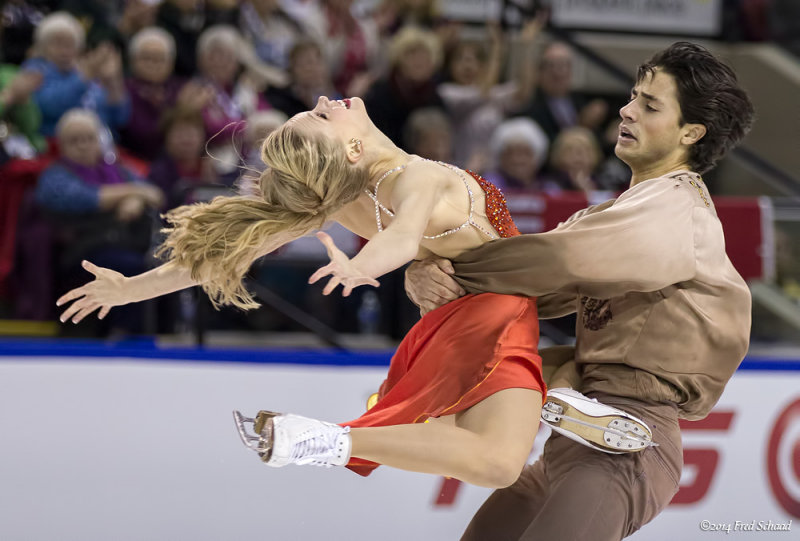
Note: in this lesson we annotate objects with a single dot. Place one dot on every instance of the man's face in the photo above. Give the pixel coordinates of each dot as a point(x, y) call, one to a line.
point(650, 134)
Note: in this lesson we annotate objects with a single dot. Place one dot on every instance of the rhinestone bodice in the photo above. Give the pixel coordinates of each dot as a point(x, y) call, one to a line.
point(496, 207)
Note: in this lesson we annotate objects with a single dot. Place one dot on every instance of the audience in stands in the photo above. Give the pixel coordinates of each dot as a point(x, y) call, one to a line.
point(203, 81)
point(476, 99)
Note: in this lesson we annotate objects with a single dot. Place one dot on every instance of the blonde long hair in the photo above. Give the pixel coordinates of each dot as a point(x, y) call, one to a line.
point(306, 180)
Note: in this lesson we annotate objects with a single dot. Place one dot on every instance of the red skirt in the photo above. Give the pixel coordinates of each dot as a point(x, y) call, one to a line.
point(453, 358)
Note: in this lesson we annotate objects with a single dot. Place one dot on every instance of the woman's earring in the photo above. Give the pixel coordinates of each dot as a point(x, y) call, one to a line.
point(356, 142)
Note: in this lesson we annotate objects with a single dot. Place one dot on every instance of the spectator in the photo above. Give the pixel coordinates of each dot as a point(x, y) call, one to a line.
point(475, 99)
point(574, 159)
point(259, 125)
point(184, 20)
point(414, 56)
point(152, 88)
point(100, 209)
point(224, 102)
point(518, 148)
point(352, 45)
point(271, 31)
point(93, 82)
point(429, 134)
point(392, 15)
point(309, 79)
point(555, 105)
point(136, 16)
point(182, 165)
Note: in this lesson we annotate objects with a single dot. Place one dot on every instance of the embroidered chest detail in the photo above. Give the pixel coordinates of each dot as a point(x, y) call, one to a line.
point(596, 313)
point(699, 188)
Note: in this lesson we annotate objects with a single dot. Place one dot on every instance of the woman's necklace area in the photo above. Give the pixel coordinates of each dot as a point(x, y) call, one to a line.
point(374, 196)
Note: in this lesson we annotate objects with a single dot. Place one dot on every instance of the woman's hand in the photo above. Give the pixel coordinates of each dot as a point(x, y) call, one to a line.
point(107, 290)
point(341, 269)
point(430, 284)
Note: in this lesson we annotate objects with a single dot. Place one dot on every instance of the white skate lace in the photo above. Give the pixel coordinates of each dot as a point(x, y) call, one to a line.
point(319, 446)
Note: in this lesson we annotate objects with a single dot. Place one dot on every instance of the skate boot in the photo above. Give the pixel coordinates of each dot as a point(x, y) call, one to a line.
point(281, 439)
point(593, 424)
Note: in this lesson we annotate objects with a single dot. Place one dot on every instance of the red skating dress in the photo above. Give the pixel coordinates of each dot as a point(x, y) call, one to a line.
point(460, 353)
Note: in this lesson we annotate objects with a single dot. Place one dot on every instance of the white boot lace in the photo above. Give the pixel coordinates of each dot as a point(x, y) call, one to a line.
point(324, 445)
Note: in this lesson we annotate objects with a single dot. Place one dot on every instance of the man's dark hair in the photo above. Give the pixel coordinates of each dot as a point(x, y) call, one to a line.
point(708, 94)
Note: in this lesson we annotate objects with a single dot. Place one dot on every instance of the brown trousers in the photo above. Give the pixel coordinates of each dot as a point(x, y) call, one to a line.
point(574, 493)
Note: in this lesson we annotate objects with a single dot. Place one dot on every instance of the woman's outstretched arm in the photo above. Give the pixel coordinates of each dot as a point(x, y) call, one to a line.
point(413, 198)
point(110, 288)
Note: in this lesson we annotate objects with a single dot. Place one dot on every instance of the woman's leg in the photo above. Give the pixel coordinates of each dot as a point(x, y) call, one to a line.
point(487, 445)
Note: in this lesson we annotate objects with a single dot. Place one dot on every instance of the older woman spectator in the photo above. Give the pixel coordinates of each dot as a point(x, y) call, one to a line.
point(414, 55)
point(309, 78)
point(517, 149)
point(152, 88)
point(224, 100)
point(101, 210)
point(93, 81)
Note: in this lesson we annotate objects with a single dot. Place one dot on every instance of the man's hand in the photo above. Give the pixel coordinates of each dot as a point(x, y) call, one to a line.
point(429, 284)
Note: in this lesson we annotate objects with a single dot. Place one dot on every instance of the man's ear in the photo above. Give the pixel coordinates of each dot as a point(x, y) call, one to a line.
point(355, 150)
point(692, 133)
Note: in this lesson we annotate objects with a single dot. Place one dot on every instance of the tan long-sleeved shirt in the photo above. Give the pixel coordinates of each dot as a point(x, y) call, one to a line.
point(661, 312)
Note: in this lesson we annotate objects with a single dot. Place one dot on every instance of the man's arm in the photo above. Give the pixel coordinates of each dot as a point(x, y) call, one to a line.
point(643, 242)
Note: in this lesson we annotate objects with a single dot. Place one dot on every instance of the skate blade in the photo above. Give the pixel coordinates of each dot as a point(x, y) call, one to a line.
point(261, 439)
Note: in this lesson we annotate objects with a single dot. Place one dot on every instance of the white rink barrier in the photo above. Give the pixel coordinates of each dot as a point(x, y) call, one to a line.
point(115, 448)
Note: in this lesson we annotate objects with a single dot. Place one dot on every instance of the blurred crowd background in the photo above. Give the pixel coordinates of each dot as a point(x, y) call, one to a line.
point(113, 112)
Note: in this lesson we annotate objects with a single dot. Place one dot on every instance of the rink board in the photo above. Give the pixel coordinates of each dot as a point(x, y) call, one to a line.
point(141, 445)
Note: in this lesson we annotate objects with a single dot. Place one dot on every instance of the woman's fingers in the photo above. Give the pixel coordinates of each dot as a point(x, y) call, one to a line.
point(70, 295)
point(322, 272)
point(331, 285)
point(72, 310)
point(85, 312)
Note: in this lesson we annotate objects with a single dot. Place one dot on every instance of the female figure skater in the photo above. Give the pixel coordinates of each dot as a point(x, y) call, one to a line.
point(470, 368)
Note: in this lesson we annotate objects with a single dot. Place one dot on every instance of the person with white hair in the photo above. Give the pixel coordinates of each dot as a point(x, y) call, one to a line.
point(99, 210)
point(153, 88)
point(69, 79)
point(517, 150)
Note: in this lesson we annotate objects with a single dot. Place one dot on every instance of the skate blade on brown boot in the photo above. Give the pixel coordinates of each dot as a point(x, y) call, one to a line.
point(596, 425)
point(261, 441)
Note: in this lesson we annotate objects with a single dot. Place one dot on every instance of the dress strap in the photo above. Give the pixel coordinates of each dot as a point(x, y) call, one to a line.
point(470, 219)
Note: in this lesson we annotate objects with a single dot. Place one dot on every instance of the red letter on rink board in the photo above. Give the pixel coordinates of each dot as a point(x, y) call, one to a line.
point(705, 460)
point(448, 491)
point(783, 458)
